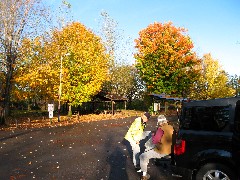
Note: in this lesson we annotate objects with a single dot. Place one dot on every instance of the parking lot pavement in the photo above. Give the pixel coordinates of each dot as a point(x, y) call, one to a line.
point(85, 151)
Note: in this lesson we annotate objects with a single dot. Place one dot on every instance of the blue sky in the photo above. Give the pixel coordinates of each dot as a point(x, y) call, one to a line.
point(213, 25)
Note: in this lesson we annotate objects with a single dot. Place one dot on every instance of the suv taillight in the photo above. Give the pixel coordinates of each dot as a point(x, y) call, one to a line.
point(179, 147)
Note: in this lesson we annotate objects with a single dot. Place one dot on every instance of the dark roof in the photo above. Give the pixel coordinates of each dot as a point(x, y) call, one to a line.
point(165, 96)
point(110, 97)
point(116, 97)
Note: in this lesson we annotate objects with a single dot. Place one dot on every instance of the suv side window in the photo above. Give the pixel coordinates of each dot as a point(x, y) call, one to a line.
point(222, 117)
point(213, 118)
point(185, 118)
point(237, 118)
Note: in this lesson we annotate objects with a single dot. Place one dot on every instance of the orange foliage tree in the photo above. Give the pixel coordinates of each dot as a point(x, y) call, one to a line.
point(165, 59)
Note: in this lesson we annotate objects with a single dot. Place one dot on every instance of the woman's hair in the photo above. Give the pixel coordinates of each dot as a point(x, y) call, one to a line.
point(161, 119)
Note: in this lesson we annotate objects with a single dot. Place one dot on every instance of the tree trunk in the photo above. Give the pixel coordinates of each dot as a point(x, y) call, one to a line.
point(7, 92)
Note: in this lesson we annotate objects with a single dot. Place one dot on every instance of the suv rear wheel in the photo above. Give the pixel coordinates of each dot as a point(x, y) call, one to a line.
point(215, 171)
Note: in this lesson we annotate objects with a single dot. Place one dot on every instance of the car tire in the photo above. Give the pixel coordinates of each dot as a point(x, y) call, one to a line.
point(215, 171)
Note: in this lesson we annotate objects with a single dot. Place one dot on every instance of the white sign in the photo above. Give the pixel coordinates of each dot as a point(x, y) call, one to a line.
point(50, 114)
point(50, 107)
point(50, 110)
point(156, 107)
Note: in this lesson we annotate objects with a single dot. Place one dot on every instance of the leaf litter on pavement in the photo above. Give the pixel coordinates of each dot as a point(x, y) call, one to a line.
point(30, 158)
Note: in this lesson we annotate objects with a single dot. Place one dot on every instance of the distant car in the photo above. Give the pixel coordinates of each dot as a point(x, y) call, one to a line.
point(207, 144)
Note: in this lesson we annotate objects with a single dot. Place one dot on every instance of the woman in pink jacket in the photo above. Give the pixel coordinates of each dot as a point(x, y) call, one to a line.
point(161, 145)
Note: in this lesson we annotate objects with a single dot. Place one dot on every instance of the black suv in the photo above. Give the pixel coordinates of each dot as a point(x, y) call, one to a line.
point(207, 144)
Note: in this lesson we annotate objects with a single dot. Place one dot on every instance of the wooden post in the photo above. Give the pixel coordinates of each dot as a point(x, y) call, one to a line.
point(78, 116)
point(113, 107)
point(166, 107)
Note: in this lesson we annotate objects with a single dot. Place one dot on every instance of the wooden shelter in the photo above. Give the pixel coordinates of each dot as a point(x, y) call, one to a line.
point(115, 98)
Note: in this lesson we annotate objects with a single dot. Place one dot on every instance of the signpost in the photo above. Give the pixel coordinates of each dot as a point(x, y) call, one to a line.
point(50, 111)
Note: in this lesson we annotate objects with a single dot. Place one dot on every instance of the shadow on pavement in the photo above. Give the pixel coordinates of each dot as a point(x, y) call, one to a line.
point(14, 135)
point(117, 161)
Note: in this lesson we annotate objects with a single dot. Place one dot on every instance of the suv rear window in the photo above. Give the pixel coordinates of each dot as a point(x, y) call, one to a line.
point(213, 118)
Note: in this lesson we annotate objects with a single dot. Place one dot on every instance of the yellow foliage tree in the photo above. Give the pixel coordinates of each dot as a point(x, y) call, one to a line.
point(85, 68)
point(75, 56)
point(35, 76)
point(212, 82)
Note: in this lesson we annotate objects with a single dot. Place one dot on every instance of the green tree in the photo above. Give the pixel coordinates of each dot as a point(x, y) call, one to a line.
point(126, 81)
point(235, 83)
point(121, 74)
point(137, 89)
point(213, 81)
point(165, 59)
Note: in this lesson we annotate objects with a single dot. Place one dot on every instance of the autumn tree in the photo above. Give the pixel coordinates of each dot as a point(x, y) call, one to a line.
point(18, 19)
point(165, 59)
point(36, 76)
point(213, 81)
point(72, 65)
point(86, 67)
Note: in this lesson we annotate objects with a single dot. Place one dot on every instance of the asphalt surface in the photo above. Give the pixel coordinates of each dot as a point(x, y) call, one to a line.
point(85, 151)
